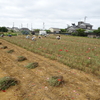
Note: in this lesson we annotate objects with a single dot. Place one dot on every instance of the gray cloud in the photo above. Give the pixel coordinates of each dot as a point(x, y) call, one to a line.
point(55, 13)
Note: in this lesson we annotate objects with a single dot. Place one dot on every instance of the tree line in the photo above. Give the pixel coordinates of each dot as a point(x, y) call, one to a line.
point(3, 29)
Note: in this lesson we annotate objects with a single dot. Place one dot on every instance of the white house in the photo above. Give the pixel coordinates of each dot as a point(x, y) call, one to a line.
point(54, 30)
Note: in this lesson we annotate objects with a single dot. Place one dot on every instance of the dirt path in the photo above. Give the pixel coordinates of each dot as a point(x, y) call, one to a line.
point(33, 83)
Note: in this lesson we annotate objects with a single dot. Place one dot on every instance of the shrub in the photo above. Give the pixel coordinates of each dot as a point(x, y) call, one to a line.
point(74, 34)
point(12, 34)
point(32, 65)
point(55, 80)
point(21, 58)
point(10, 51)
point(81, 32)
point(4, 47)
point(6, 82)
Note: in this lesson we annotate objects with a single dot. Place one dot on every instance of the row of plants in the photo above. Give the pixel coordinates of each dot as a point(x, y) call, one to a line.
point(8, 81)
point(76, 52)
point(9, 33)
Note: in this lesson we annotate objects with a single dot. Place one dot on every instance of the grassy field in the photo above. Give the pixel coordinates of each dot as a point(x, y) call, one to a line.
point(76, 52)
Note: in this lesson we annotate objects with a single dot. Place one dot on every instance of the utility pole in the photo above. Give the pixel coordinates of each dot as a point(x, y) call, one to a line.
point(27, 25)
point(43, 26)
point(13, 25)
point(31, 26)
point(85, 19)
point(21, 25)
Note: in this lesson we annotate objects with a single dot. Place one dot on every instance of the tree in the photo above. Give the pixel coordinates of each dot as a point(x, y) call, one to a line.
point(80, 32)
point(63, 30)
point(36, 30)
point(48, 31)
point(97, 31)
point(3, 29)
point(12, 30)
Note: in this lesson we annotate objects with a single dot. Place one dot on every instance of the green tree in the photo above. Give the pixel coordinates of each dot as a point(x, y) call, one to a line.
point(36, 30)
point(63, 30)
point(3, 29)
point(80, 32)
point(11, 30)
point(97, 31)
point(48, 31)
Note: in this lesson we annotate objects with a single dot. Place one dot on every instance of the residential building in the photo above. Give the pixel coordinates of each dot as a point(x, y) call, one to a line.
point(24, 29)
point(54, 30)
point(81, 24)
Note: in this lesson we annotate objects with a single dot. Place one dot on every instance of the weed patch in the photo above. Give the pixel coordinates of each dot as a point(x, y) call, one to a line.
point(55, 80)
point(4, 47)
point(6, 82)
point(10, 51)
point(21, 58)
point(32, 65)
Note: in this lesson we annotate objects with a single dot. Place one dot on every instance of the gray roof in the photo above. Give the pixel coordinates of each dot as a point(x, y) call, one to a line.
point(25, 29)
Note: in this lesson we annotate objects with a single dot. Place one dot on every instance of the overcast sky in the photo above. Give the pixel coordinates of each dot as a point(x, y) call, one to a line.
point(54, 13)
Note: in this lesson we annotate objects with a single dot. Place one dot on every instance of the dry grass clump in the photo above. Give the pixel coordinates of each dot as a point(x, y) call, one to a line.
point(10, 51)
point(32, 65)
point(6, 82)
point(21, 58)
point(4, 47)
point(55, 80)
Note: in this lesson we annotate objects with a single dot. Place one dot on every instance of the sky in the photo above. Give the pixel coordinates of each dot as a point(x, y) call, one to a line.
point(53, 13)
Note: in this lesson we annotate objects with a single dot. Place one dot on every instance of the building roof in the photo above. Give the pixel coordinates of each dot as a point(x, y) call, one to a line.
point(25, 29)
point(54, 28)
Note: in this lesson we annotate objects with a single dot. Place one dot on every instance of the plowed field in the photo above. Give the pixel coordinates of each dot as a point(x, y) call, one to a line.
point(33, 83)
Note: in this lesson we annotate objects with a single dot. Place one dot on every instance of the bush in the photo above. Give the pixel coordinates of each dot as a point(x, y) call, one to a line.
point(6, 82)
point(32, 65)
point(21, 58)
point(4, 47)
point(74, 34)
point(3, 29)
point(10, 51)
point(81, 32)
point(12, 34)
point(55, 80)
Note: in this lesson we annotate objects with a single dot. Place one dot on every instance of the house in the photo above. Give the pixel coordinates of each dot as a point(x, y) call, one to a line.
point(54, 30)
point(81, 24)
point(24, 29)
point(16, 29)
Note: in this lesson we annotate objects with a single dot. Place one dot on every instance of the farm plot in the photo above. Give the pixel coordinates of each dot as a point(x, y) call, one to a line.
point(75, 52)
point(33, 83)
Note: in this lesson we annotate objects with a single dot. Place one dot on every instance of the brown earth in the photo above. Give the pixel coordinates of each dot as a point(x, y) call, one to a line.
point(33, 83)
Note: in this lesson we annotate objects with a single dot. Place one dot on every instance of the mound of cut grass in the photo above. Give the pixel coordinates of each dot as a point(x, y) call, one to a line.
point(10, 51)
point(32, 65)
point(21, 58)
point(55, 80)
point(4, 47)
point(6, 82)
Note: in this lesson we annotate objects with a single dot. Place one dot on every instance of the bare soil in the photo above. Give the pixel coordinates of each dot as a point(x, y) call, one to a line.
point(33, 83)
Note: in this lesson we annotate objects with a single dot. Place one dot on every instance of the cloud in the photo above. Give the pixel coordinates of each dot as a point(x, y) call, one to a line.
point(55, 13)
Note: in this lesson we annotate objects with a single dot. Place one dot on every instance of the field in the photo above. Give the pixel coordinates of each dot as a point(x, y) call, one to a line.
point(67, 55)
point(75, 52)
